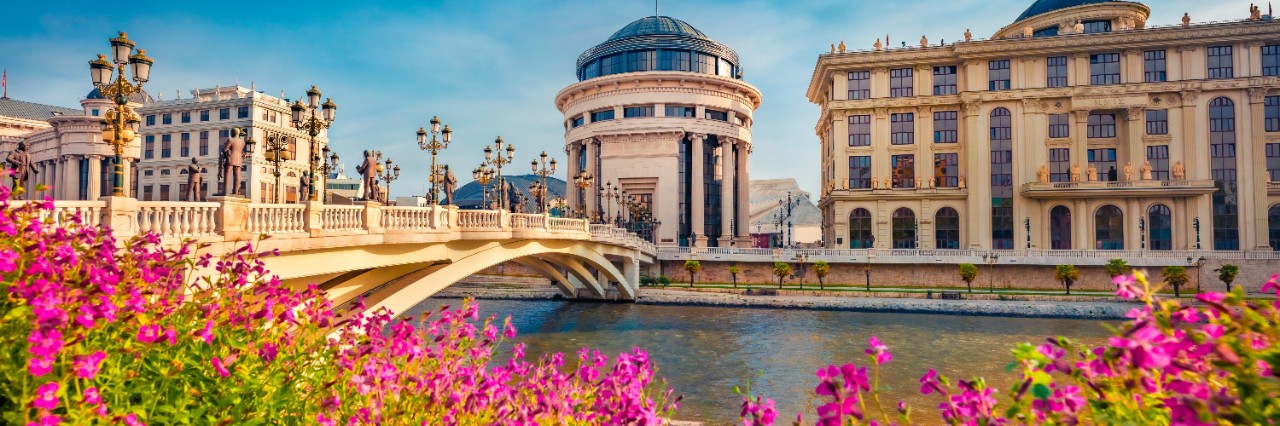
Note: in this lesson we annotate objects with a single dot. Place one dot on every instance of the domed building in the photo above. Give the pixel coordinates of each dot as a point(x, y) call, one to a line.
point(661, 111)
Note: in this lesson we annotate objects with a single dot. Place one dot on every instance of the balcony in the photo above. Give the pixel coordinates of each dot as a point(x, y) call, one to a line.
point(1144, 188)
point(934, 193)
point(1273, 188)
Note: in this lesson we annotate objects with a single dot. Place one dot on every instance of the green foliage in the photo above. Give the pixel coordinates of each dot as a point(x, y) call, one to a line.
point(664, 280)
point(781, 270)
point(1177, 277)
point(968, 272)
point(1116, 267)
point(734, 270)
point(692, 266)
point(1227, 273)
point(1067, 274)
point(821, 269)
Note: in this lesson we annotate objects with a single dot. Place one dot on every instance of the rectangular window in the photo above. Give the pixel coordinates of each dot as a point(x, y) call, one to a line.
point(638, 111)
point(860, 172)
point(577, 122)
point(602, 115)
point(1158, 157)
point(149, 173)
point(1102, 126)
point(1104, 68)
point(613, 64)
point(166, 118)
point(1271, 113)
point(1220, 65)
point(944, 80)
point(224, 113)
point(149, 152)
point(859, 130)
point(185, 145)
point(902, 128)
point(901, 82)
point(242, 112)
point(204, 115)
point(1104, 160)
point(1059, 165)
point(1271, 60)
point(1153, 65)
point(681, 111)
point(186, 116)
point(1049, 31)
point(673, 60)
point(945, 128)
point(266, 114)
point(164, 193)
point(1059, 125)
point(712, 114)
point(147, 193)
point(151, 119)
point(904, 170)
point(1273, 161)
point(204, 143)
point(946, 170)
point(998, 75)
point(222, 138)
point(166, 145)
point(1099, 26)
point(704, 64)
point(1157, 122)
point(1055, 71)
point(641, 61)
point(860, 85)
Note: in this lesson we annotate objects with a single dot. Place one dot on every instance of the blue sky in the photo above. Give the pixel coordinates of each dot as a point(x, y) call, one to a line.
point(486, 68)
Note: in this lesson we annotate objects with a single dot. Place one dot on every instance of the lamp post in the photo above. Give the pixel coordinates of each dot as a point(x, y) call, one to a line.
point(276, 146)
point(1026, 223)
point(305, 118)
point(435, 146)
point(389, 174)
point(327, 167)
point(991, 259)
point(497, 161)
point(1195, 223)
point(543, 172)
point(120, 124)
point(1142, 232)
point(1198, 263)
point(583, 180)
point(484, 175)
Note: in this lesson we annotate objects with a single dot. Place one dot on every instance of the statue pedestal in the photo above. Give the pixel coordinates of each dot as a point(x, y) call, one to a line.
point(233, 212)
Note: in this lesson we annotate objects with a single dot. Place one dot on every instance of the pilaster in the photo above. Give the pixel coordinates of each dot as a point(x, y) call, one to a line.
point(727, 194)
point(743, 200)
point(697, 199)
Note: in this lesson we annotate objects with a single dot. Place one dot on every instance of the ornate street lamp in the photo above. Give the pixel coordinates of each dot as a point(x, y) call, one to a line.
point(435, 146)
point(484, 175)
point(1195, 223)
point(1142, 231)
point(120, 124)
point(583, 180)
point(543, 172)
point(991, 259)
point(276, 146)
point(497, 161)
point(313, 117)
point(389, 174)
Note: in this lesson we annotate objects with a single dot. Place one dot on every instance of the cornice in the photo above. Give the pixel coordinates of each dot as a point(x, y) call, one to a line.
point(730, 88)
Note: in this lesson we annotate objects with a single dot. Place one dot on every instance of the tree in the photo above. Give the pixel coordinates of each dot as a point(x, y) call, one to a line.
point(866, 269)
point(781, 269)
point(1116, 267)
point(1175, 276)
point(734, 270)
point(1227, 273)
point(821, 269)
point(1068, 274)
point(692, 266)
point(967, 273)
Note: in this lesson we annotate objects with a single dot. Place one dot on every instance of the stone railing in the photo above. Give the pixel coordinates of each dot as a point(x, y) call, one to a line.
point(335, 218)
point(562, 224)
point(528, 221)
point(422, 218)
point(471, 219)
point(276, 218)
point(1033, 257)
point(90, 212)
point(178, 219)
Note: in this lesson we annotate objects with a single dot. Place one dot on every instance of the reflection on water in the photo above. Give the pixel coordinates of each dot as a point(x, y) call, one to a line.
point(704, 351)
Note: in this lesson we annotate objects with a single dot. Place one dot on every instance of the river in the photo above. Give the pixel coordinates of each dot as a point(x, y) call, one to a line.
point(703, 352)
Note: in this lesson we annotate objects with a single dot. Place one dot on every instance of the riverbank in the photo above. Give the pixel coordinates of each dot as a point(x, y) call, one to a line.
point(1082, 308)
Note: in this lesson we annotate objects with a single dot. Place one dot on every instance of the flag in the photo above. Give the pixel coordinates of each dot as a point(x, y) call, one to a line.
point(4, 82)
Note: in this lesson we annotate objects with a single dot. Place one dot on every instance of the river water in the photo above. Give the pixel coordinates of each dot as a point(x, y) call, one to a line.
point(703, 352)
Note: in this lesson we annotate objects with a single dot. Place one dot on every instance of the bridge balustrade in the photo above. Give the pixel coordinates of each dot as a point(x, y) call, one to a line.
point(178, 219)
point(276, 218)
point(342, 218)
point(955, 256)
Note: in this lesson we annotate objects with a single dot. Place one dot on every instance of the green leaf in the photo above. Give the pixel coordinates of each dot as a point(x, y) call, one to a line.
point(17, 313)
point(1041, 378)
point(1040, 391)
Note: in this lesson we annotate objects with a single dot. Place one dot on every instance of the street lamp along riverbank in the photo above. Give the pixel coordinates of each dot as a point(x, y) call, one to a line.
point(120, 124)
point(313, 118)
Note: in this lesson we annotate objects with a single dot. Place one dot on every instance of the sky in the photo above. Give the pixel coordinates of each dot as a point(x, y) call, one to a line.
point(487, 69)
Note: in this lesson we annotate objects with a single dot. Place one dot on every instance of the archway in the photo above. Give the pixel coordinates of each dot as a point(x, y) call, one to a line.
point(861, 235)
point(904, 228)
point(1060, 228)
point(1159, 227)
point(1108, 225)
point(946, 223)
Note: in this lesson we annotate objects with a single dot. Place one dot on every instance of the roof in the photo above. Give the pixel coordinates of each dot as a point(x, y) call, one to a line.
point(470, 195)
point(33, 111)
point(141, 97)
point(1041, 7)
point(657, 32)
point(651, 25)
point(765, 197)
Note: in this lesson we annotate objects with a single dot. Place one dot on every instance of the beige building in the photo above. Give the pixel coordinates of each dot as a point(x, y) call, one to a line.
point(661, 111)
point(1078, 126)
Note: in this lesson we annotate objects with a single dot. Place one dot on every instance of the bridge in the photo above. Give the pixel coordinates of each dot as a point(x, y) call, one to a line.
point(393, 256)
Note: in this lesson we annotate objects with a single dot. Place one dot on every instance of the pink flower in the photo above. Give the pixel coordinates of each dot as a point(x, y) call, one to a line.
point(879, 352)
point(207, 333)
point(132, 420)
point(1211, 297)
point(1126, 287)
point(217, 366)
point(87, 366)
point(171, 336)
point(929, 382)
point(39, 365)
point(148, 333)
point(8, 261)
point(92, 397)
point(46, 396)
point(1272, 284)
point(47, 420)
point(268, 352)
point(45, 343)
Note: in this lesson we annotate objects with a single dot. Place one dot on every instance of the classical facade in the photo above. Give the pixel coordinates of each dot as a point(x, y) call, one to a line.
point(1076, 127)
point(661, 111)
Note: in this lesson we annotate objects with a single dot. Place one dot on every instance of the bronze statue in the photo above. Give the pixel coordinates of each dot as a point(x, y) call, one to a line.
point(20, 163)
point(368, 173)
point(450, 184)
point(195, 180)
point(304, 187)
point(230, 160)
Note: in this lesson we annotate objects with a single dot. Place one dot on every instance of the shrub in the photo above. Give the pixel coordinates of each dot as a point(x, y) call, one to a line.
point(781, 270)
point(692, 266)
point(1067, 274)
point(1227, 274)
point(1176, 276)
point(967, 273)
point(821, 269)
point(646, 280)
point(664, 280)
point(1116, 267)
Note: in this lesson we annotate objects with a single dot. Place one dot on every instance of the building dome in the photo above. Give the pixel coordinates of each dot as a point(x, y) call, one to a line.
point(141, 97)
point(1041, 7)
point(658, 43)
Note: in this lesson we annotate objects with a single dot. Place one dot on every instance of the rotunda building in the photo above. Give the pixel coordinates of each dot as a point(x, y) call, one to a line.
point(661, 112)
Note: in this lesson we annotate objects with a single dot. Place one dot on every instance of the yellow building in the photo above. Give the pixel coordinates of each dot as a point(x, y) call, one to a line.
point(1077, 127)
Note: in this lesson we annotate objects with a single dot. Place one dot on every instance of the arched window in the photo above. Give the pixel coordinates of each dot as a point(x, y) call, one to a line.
point(1222, 157)
point(1060, 228)
point(1159, 228)
point(1001, 179)
point(947, 225)
point(860, 232)
point(1273, 226)
point(904, 228)
point(1108, 225)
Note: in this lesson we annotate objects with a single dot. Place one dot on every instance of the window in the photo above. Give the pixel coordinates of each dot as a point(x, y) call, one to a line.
point(1045, 32)
point(1059, 165)
point(1160, 227)
point(166, 145)
point(1273, 161)
point(1271, 60)
point(95, 112)
point(1153, 65)
point(1273, 227)
point(186, 116)
point(1059, 125)
point(1091, 27)
point(1158, 157)
point(641, 61)
point(900, 82)
point(1220, 65)
point(222, 138)
point(947, 229)
point(164, 193)
point(165, 172)
point(577, 122)
point(902, 128)
point(242, 112)
point(1102, 126)
point(602, 115)
point(859, 130)
point(945, 127)
point(149, 173)
point(1157, 122)
point(1108, 224)
point(1104, 160)
point(904, 228)
point(998, 75)
point(638, 111)
point(1222, 160)
point(904, 170)
point(613, 64)
point(146, 193)
point(204, 143)
point(266, 114)
point(860, 85)
point(166, 118)
point(1104, 68)
point(149, 152)
point(1001, 179)
point(712, 114)
point(591, 70)
point(151, 119)
point(861, 235)
point(1271, 113)
point(1060, 228)
point(224, 113)
point(860, 172)
point(944, 80)
point(673, 60)
point(185, 145)
point(946, 170)
point(704, 64)
point(204, 115)
point(1055, 71)
point(681, 111)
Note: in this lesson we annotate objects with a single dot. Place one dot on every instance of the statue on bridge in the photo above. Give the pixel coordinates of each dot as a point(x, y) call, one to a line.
point(369, 175)
point(229, 161)
point(20, 162)
point(304, 187)
point(450, 184)
point(195, 180)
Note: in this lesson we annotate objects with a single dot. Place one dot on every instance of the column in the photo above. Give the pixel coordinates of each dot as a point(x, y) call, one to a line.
point(697, 199)
point(571, 189)
point(63, 190)
point(1133, 151)
point(743, 200)
point(95, 177)
point(726, 190)
point(1081, 226)
point(1080, 143)
point(592, 193)
point(977, 163)
point(1253, 174)
point(1132, 211)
